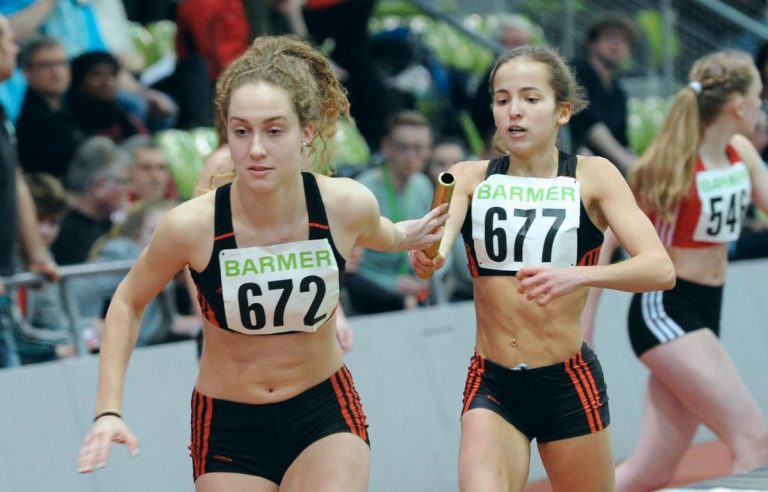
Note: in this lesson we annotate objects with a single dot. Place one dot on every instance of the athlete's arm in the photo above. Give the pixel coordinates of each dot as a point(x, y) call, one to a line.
point(465, 174)
point(648, 268)
point(166, 254)
point(379, 233)
point(758, 173)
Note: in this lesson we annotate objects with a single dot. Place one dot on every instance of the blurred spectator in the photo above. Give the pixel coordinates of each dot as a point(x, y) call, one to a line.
point(454, 282)
point(45, 334)
point(385, 281)
point(17, 213)
point(125, 241)
point(44, 112)
point(154, 108)
point(210, 34)
point(346, 23)
point(147, 11)
point(72, 22)
point(93, 98)
point(511, 31)
point(150, 176)
point(98, 180)
point(601, 129)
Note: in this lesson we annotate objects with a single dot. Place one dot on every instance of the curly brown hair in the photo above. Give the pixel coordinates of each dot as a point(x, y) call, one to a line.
point(295, 66)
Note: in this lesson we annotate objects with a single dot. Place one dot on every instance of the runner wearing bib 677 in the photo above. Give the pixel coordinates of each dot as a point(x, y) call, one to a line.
point(532, 224)
point(695, 181)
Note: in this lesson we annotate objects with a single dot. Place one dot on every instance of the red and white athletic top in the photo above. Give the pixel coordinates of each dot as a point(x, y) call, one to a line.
point(713, 211)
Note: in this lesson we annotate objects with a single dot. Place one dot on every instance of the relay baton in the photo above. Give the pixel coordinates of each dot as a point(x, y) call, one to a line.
point(443, 194)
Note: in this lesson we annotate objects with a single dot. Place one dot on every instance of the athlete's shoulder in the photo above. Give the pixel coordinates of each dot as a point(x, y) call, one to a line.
point(346, 198)
point(472, 171)
point(743, 147)
point(192, 217)
point(469, 168)
point(746, 151)
point(335, 186)
point(593, 163)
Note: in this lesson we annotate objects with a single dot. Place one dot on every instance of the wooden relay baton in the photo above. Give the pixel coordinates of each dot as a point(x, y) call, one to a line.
point(443, 193)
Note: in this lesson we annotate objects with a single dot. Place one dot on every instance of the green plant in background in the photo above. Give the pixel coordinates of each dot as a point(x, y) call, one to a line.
point(184, 160)
point(205, 139)
point(651, 23)
point(164, 35)
point(350, 149)
point(644, 121)
point(398, 8)
point(450, 48)
point(154, 41)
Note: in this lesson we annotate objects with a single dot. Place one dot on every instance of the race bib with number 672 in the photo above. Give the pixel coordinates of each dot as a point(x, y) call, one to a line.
point(279, 288)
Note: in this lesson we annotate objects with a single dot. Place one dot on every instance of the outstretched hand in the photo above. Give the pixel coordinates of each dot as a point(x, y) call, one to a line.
point(94, 452)
point(542, 284)
point(423, 265)
point(420, 233)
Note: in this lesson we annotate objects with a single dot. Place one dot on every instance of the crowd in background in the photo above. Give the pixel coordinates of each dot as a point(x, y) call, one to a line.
point(80, 115)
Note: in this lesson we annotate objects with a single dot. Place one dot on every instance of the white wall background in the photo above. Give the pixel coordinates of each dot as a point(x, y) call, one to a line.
point(409, 369)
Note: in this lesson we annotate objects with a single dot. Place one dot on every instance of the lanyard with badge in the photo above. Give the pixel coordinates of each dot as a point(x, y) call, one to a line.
point(398, 208)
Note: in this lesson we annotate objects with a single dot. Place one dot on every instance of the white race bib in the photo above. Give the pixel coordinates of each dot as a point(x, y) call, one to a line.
point(724, 195)
point(279, 288)
point(519, 221)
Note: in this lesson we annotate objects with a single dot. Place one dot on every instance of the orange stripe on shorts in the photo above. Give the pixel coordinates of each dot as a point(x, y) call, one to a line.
point(580, 391)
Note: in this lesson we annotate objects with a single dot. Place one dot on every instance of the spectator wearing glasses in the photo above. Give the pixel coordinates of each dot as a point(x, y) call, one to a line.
point(44, 112)
point(385, 281)
point(98, 181)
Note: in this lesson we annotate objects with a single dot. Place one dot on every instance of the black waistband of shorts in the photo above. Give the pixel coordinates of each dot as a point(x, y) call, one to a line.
point(682, 285)
point(584, 354)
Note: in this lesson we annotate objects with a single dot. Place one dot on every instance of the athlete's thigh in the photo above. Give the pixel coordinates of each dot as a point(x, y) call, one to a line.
point(233, 482)
point(698, 370)
point(338, 462)
point(579, 464)
point(493, 454)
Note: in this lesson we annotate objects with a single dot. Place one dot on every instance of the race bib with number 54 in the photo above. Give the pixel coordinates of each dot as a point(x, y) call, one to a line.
point(724, 195)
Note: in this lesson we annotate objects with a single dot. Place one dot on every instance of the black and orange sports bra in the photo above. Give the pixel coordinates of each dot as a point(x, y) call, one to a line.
point(275, 289)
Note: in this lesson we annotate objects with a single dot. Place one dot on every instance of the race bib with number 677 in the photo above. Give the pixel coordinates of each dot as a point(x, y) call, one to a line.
point(521, 221)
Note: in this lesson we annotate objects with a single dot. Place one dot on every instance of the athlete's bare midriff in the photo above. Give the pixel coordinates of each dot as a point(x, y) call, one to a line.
point(513, 330)
point(266, 368)
point(707, 266)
